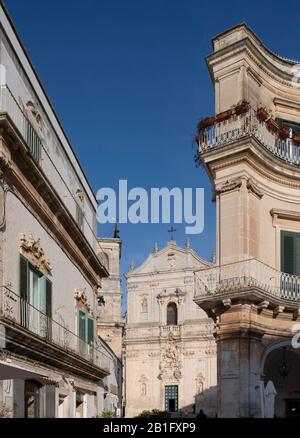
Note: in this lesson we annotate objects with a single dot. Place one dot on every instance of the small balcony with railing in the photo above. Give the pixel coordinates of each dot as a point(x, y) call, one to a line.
point(170, 330)
point(249, 279)
point(31, 332)
point(280, 137)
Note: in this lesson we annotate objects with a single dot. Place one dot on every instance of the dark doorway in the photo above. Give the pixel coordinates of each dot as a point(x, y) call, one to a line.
point(292, 408)
point(171, 398)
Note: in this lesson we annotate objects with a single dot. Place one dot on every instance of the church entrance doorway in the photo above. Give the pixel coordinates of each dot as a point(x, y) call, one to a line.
point(171, 398)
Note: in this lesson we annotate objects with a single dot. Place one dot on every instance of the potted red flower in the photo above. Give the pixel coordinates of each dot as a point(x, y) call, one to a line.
point(242, 108)
point(284, 133)
point(224, 115)
point(272, 125)
point(205, 123)
point(296, 138)
point(262, 114)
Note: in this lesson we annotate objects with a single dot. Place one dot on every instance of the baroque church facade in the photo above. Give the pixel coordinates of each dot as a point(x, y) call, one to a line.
point(169, 347)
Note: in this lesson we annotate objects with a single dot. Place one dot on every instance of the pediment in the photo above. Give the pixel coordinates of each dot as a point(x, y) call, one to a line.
point(171, 258)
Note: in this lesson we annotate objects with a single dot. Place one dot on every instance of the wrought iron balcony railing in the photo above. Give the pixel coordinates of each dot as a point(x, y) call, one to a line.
point(9, 106)
point(238, 126)
point(15, 309)
point(247, 274)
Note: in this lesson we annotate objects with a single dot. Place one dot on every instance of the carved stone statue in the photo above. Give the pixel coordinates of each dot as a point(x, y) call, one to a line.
point(269, 395)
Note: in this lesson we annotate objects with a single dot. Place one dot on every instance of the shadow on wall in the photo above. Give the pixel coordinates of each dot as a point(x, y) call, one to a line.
point(205, 401)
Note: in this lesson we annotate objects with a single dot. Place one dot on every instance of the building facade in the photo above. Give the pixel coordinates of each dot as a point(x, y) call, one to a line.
point(170, 352)
point(250, 151)
point(52, 363)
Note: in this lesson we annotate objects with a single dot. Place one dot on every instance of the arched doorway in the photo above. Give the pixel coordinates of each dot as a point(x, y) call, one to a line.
point(281, 366)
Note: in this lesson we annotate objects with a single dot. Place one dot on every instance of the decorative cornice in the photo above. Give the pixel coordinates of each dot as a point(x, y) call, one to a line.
point(32, 250)
point(229, 186)
point(285, 214)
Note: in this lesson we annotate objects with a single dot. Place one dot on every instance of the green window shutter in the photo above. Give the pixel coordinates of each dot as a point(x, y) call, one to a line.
point(290, 252)
point(90, 330)
point(48, 298)
point(24, 292)
point(81, 324)
point(287, 252)
point(23, 278)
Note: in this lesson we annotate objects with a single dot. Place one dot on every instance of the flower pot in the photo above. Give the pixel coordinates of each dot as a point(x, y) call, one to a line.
point(205, 123)
point(225, 115)
point(262, 114)
point(272, 125)
point(284, 133)
point(296, 139)
point(242, 108)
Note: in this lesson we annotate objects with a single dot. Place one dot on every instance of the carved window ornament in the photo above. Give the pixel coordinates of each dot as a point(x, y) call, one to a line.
point(81, 298)
point(175, 295)
point(31, 249)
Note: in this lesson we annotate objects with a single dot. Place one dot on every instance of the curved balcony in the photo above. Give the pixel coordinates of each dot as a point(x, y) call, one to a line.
point(221, 133)
point(244, 275)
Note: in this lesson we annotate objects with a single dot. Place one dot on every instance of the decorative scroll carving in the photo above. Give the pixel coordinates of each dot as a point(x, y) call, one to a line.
point(33, 110)
point(175, 295)
point(32, 250)
point(253, 187)
point(229, 186)
point(81, 297)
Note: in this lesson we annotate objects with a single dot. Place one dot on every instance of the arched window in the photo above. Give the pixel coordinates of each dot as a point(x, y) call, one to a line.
point(172, 317)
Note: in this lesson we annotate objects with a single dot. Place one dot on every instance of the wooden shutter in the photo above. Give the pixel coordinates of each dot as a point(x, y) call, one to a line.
point(24, 291)
point(48, 298)
point(290, 252)
point(90, 330)
point(81, 324)
point(23, 278)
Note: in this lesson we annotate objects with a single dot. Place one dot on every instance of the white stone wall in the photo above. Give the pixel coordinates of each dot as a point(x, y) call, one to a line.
point(66, 277)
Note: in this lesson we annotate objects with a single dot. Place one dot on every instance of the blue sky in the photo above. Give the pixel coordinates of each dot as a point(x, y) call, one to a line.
point(129, 82)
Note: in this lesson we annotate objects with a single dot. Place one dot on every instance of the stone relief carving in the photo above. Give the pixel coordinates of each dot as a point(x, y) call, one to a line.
point(32, 109)
point(175, 295)
point(81, 297)
point(172, 259)
point(143, 385)
point(229, 186)
point(32, 250)
point(170, 364)
point(144, 305)
point(200, 384)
